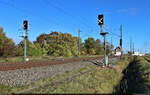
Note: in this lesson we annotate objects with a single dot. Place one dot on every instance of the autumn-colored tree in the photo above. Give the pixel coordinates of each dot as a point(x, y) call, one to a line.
point(59, 44)
point(90, 45)
point(41, 39)
point(8, 48)
point(7, 45)
point(2, 40)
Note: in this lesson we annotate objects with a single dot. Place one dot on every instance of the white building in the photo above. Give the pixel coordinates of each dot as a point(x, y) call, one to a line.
point(117, 51)
point(137, 53)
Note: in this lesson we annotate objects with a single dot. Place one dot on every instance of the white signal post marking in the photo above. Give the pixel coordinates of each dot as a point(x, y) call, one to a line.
point(100, 20)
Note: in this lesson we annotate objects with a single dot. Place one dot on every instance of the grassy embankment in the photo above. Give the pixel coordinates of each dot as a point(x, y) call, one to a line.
point(136, 77)
point(38, 58)
point(90, 79)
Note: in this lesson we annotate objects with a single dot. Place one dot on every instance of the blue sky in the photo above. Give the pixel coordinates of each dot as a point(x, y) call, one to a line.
point(68, 16)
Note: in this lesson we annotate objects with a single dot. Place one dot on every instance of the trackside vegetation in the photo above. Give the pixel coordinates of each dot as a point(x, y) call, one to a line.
point(90, 79)
point(136, 77)
point(55, 44)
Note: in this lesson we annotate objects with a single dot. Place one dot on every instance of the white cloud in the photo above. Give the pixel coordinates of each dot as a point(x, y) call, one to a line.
point(131, 11)
point(122, 10)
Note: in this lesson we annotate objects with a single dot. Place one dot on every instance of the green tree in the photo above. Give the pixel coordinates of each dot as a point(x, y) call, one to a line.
point(90, 45)
point(19, 50)
point(83, 51)
point(32, 49)
point(38, 50)
point(8, 48)
point(59, 44)
point(99, 48)
point(92, 51)
point(7, 45)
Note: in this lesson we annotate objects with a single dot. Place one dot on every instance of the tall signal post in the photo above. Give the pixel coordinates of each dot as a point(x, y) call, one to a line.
point(121, 41)
point(101, 23)
point(25, 27)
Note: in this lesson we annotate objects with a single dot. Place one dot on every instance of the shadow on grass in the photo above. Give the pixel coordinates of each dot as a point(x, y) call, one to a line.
point(96, 63)
point(133, 80)
point(146, 59)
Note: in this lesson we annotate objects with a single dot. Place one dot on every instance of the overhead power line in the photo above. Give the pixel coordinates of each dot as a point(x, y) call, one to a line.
point(13, 6)
point(29, 13)
point(60, 9)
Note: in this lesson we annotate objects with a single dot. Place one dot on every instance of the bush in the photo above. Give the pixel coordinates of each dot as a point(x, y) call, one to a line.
point(68, 53)
point(92, 51)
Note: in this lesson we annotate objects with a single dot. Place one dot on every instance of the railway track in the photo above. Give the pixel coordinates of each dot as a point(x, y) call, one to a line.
point(55, 82)
point(59, 81)
point(23, 65)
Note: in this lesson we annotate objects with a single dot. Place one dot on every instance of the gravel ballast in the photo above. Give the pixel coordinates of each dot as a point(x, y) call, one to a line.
point(22, 77)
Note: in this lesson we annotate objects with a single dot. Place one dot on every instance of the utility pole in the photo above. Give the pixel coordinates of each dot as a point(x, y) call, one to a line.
point(101, 22)
point(79, 43)
point(111, 45)
point(121, 41)
point(130, 45)
point(133, 47)
point(111, 42)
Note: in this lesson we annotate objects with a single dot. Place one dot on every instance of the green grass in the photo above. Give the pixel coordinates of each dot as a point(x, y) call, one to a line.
point(145, 65)
point(21, 59)
point(124, 62)
point(8, 89)
point(136, 77)
point(11, 59)
point(145, 69)
point(38, 58)
point(98, 80)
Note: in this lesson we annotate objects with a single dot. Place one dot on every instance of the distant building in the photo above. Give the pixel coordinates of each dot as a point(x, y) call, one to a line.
point(137, 53)
point(117, 51)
